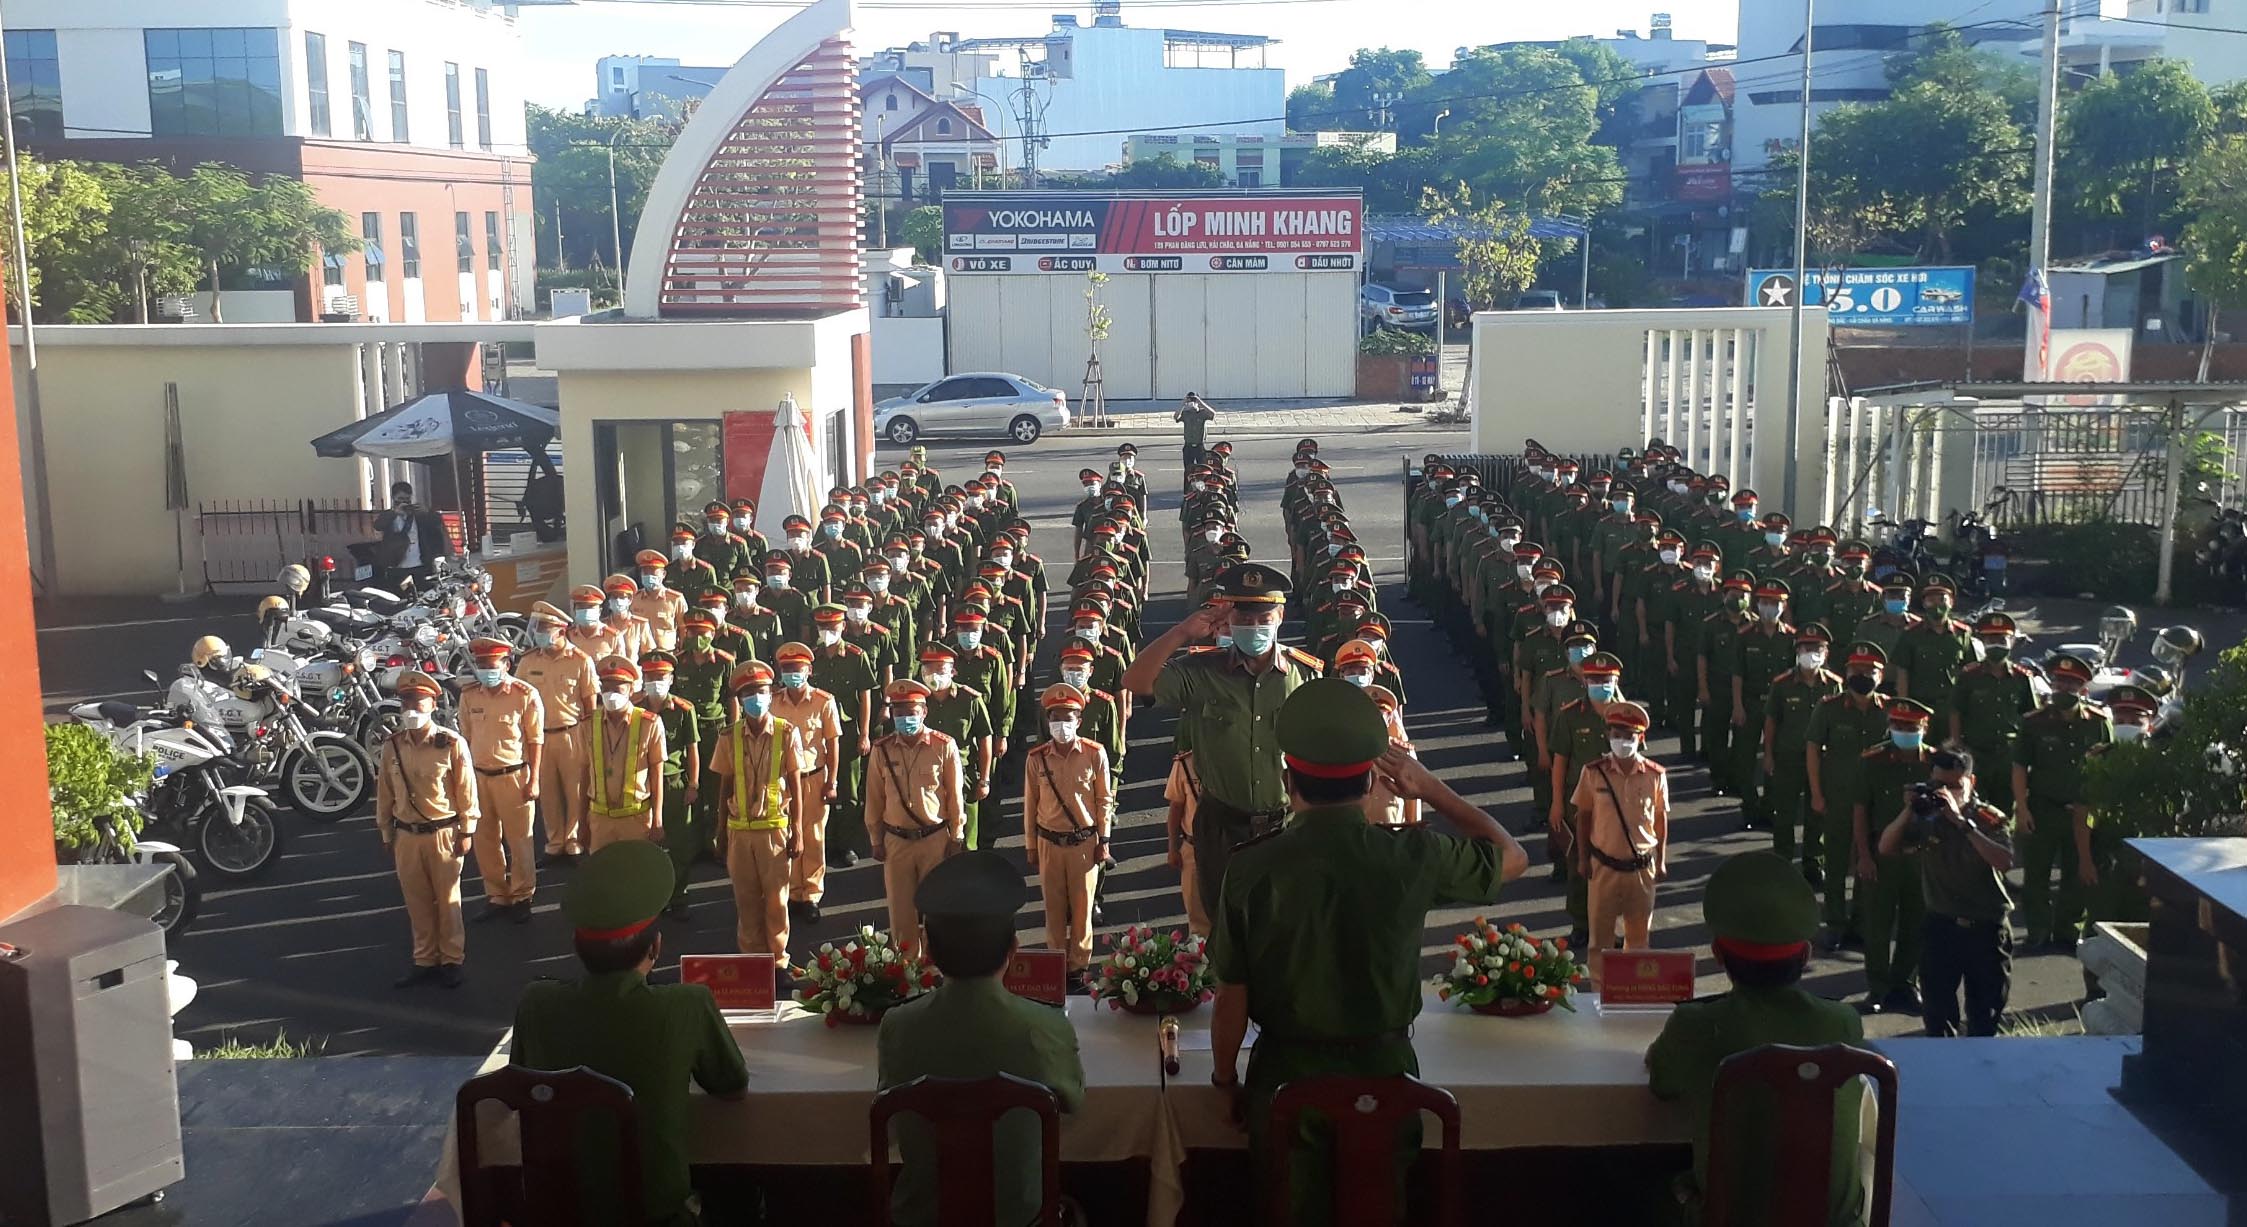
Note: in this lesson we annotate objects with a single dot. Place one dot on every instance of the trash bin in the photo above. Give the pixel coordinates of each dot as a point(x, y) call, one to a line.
point(89, 1100)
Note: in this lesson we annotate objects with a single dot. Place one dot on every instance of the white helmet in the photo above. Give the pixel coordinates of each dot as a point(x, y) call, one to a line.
point(208, 649)
point(295, 578)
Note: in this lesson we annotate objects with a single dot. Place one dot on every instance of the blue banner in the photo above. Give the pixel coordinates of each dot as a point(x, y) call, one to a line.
point(1873, 297)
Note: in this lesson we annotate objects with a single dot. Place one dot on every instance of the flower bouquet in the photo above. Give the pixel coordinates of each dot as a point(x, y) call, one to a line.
point(861, 979)
point(1150, 972)
point(1509, 971)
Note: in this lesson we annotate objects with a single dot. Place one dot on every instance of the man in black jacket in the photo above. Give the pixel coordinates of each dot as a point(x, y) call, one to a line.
point(413, 538)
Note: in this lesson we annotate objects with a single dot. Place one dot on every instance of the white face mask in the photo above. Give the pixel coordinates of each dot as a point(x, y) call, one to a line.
point(829, 638)
point(744, 597)
point(1524, 570)
point(651, 579)
point(1704, 572)
point(1767, 610)
point(742, 523)
point(1669, 558)
point(1507, 541)
point(1556, 617)
point(898, 562)
point(2127, 733)
point(416, 720)
point(879, 583)
point(1807, 661)
point(1064, 731)
point(778, 583)
point(1212, 534)
point(683, 550)
point(799, 542)
point(937, 679)
point(1004, 560)
point(717, 528)
point(857, 613)
point(658, 688)
point(1623, 747)
point(620, 604)
point(615, 700)
point(1079, 678)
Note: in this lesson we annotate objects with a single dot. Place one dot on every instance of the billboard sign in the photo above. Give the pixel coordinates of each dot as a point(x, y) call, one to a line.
point(1080, 232)
point(1703, 184)
point(1873, 297)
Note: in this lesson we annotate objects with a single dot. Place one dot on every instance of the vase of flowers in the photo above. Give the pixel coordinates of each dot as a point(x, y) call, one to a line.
point(1147, 971)
point(861, 979)
point(1509, 972)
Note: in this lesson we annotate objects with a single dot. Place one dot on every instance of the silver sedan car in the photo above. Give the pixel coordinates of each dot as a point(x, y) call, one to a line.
point(977, 403)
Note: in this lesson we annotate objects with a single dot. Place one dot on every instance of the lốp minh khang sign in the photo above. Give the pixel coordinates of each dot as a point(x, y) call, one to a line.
point(1153, 232)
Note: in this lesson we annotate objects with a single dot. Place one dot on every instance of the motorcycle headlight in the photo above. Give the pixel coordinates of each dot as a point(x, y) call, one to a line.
point(366, 660)
point(483, 581)
point(425, 635)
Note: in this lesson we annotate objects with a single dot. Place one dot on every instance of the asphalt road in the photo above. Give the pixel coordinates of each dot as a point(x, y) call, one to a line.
point(313, 947)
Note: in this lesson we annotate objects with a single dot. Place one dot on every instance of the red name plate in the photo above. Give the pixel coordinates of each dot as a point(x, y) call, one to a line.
point(1645, 977)
point(1039, 975)
point(738, 981)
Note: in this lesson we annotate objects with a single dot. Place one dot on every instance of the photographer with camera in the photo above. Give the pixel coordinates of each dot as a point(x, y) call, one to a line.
point(1965, 846)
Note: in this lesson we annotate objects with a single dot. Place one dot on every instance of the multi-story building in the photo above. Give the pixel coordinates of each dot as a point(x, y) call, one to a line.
point(916, 146)
point(648, 87)
point(407, 117)
point(1249, 160)
point(2202, 33)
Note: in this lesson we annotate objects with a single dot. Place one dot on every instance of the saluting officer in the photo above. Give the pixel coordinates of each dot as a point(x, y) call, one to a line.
point(567, 694)
point(760, 761)
point(625, 762)
point(505, 724)
point(2056, 741)
point(819, 729)
point(913, 808)
point(1065, 815)
point(425, 810)
point(685, 765)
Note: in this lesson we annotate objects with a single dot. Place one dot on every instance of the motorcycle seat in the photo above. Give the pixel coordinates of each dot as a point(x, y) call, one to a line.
point(377, 601)
point(119, 714)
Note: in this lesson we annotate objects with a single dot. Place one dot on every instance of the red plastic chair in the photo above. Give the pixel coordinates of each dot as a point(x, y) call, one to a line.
point(1366, 1113)
point(963, 1114)
point(1802, 1082)
point(548, 1108)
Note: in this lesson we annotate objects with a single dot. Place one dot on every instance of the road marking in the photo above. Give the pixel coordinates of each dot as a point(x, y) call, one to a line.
point(113, 626)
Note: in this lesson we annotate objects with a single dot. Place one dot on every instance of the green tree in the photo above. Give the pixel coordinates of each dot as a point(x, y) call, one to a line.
point(144, 254)
point(1392, 183)
point(1942, 55)
point(1165, 171)
point(2125, 141)
point(1521, 129)
point(1375, 79)
point(1497, 256)
point(2215, 241)
point(1926, 159)
point(276, 227)
point(571, 181)
point(63, 207)
point(1310, 108)
point(924, 229)
point(1610, 78)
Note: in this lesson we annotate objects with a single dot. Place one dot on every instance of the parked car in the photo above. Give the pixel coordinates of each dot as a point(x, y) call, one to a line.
point(976, 403)
point(1539, 300)
point(1392, 306)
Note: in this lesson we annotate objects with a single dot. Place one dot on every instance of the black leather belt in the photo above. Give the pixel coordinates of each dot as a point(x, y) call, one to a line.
point(426, 828)
point(914, 832)
point(1067, 839)
point(501, 770)
point(563, 728)
point(1618, 864)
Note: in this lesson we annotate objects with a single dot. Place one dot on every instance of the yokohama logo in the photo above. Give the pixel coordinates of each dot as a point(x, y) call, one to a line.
point(1041, 219)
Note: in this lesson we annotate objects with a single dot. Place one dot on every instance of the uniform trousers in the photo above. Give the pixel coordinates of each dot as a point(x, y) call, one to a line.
point(2051, 845)
point(1683, 711)
point(601, 832)
point(429, 876)
point(1839, 853)
point(561, 789)
point(504, 841)
point(1786, 803)
point(758, 865)
point(1895, 915)
point(1747, 761)
point(683, 832)
point(1067, 874)
point(1975, 954)
point(1576, 892)
point(904, 863)
point(1509, 708)
point(1217, 831)
point(710, 791)
point(1620, 897)
point(847, 816)
point(808, 879)
point(1717, 735)
point(1189, 885)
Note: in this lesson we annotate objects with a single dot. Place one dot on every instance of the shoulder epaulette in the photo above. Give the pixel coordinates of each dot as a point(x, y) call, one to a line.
point(1875, 752)
point(1305, 659)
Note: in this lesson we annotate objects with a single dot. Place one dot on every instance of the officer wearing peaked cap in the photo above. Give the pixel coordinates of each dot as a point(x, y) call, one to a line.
point(654, 1039)
point(1282, 896)
point(505, 724)
point(1761, 916)
point(425, 810)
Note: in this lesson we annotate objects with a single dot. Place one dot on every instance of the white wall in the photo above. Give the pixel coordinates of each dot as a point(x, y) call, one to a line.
point(1120, 82)
point(907, 349)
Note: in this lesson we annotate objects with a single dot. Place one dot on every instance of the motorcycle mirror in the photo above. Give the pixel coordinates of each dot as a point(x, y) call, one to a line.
point(153, 680)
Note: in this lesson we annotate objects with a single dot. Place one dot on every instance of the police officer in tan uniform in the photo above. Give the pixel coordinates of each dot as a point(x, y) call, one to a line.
point(588, 633)
point(1065, 814)
point(425, 809)
point(567, 690)
point(819, 728)
point(659, 606)
point(760, 762)
point(914, 813)
point(623, 762)
point(505, 724)
point(631, 629)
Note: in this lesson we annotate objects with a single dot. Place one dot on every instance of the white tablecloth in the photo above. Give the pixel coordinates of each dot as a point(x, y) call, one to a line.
point(1559, 1079)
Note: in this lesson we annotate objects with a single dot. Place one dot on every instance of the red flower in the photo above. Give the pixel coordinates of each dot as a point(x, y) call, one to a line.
point(1561, 943)
point(1513, 967)
point(1463, 939)
point(1515, 927)
point(1482, 979)
point(928, 979)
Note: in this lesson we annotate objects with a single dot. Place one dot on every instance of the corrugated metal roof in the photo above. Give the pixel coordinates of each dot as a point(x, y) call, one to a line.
point(2129, 265)
point(1408, 228)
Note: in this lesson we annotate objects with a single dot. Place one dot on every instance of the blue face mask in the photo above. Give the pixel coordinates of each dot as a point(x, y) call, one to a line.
point(1254, 640)
point(1621, 505)
point(544, 639)
point(832, 529)
point(795, 681)
point(1896, 605)
point(1746, 515)
point(755, 704)
point(1224, 639)
point(1578, 653)
point(908, 725)
point(970, 640)
point(490, 677)
point(1906, 739)
point(1601, 692)
point(1774, 540)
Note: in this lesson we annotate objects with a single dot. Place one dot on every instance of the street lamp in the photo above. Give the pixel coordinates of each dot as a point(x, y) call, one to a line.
point(1435, 130)
point(1001, 115)
point(616, 214)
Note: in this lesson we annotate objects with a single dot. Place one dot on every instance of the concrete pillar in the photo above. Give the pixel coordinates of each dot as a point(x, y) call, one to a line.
point(27, 832)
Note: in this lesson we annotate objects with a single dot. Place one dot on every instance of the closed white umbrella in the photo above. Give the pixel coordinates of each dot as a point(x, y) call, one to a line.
point(791, 485)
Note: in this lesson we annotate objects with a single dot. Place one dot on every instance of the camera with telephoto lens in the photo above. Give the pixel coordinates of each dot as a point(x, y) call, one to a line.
point(1926, 801)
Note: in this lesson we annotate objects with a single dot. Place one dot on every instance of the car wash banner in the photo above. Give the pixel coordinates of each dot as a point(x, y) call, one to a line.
point(1153, 232)
point(1873, 297)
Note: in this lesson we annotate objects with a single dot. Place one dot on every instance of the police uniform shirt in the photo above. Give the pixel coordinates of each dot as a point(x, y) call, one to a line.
point(424, 778)
point(566, 682)
point(1236, 748)
point(502, 721)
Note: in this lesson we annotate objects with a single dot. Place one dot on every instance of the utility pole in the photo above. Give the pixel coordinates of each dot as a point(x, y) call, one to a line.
point(2033, 357)
point(616, 214)
point(1801, 261)
point(43, 514)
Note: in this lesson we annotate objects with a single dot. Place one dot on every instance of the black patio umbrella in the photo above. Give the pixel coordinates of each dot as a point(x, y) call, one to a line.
point(444, 423)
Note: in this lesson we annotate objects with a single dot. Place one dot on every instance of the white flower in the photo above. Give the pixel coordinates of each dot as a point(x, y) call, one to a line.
point(1130, 963)
point(827, 947)
point(1130, 990)
point(856, 1008)
point(866, 931)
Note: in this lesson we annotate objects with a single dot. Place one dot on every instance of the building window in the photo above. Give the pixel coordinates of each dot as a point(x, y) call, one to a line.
point(464, 238)
point(331, 270)
point(409, 244)
point(1251, 178)
point(316, 81)
point(370, 235)
point(491, 242)
point(483, 110)
point(889, 102)
point(616, 76)
point(944, 127)
point(362, 95)
point(455, 132)
point(400, 133)
point(214, 82)
point(35, 84)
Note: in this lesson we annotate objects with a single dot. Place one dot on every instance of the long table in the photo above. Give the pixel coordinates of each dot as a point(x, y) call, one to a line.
point(1559, 1079)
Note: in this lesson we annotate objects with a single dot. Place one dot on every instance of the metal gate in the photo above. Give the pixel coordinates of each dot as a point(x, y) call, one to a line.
point(2071, 466)
point(248, 541)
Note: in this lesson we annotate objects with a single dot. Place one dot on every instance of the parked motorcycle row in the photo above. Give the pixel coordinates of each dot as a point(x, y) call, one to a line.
point(294, 723)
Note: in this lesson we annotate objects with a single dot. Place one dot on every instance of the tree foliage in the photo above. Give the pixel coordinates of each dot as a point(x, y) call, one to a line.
point(90, 784)
point(2215, 241)
point(2125, 141)
point(1375, 79)
point(1927, 159)
point(1165, 171)
point(1498, 258)
point(1309, 107)
point(63, 205)
point(571, 182)
point(924, 229)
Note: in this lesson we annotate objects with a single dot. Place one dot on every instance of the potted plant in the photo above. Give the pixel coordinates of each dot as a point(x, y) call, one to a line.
point(1147, 971)
point(862, 979)
point(1509, 972)
point(93, 789)
point(1385, 359)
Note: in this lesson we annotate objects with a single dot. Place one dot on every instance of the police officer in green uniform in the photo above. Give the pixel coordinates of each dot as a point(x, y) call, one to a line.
point(1552, 690)
point(1578, 736)
point(962, 713)
point(1850, 598)
point(699, 679)
point(1788, 709)
point(844, 670)
point(1719, 659)
point(890, 611)
point(1993, 696)
point(879, 642)
point(1761, 652)
point(1232, 694)
point(761, 623)
point(1928, 657)
point(653, 1039)
point(1886, 627)
point(1894, 907)
point(727, 552)
point(724, 636)
point(788, 601)
point(1655, 600)
point(1841, 730)
point(1761, 916)
point(983, 666)
point(1285, 909)
point(2102, 889)
point(684, 836)
point(1684, 611)
point(2056, 741)
point(1964, 846)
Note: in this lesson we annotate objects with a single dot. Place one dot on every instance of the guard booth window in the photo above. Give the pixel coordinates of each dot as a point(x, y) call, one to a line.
point(646, 474)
